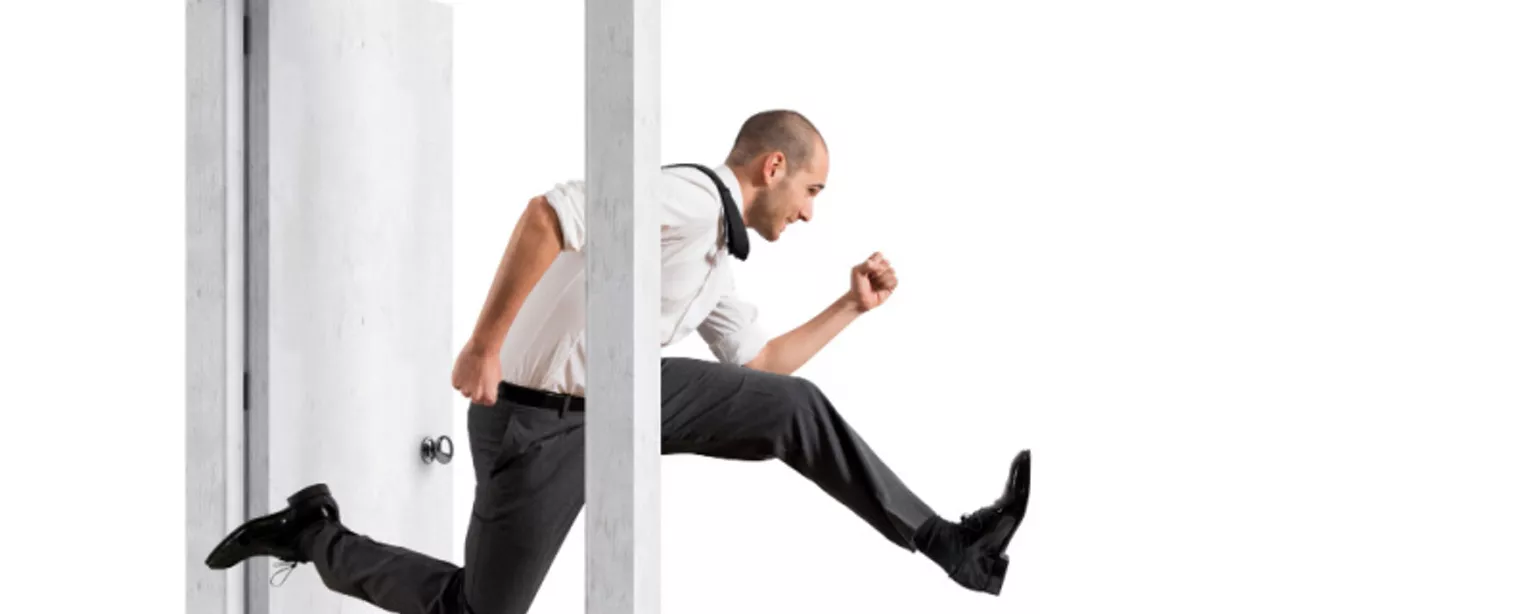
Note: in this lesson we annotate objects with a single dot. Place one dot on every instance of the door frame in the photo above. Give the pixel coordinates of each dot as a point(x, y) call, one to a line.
point(215, 302)
point(623, 517)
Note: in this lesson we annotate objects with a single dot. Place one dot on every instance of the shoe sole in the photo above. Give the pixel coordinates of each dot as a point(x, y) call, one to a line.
point(217, 562)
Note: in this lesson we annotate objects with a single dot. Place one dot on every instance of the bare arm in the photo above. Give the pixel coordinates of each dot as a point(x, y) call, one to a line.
point(871, 283)
point(534, 245)
point(535, 242)
point(788, 352)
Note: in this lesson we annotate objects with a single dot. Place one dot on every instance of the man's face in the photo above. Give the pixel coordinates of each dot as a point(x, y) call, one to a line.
point(789, 198)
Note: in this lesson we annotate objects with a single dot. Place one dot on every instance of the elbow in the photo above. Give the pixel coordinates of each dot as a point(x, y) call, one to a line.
point(760, 361)
point(764, 361)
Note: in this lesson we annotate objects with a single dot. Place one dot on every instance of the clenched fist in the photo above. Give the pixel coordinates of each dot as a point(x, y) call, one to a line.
point(477, 375)
point(872, 283)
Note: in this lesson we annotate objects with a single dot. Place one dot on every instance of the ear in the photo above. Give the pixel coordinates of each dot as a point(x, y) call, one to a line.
point(774, 167)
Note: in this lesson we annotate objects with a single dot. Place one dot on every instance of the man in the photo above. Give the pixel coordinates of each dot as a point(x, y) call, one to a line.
point(523, 370)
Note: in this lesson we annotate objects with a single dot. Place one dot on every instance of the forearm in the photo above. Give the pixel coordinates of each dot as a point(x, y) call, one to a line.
point(534, 244)
point(788, 352)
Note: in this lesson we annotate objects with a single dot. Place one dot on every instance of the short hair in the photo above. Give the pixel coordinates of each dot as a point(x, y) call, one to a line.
point(776, 130)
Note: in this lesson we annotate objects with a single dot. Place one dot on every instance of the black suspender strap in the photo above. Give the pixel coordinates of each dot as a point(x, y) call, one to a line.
point(735, 229)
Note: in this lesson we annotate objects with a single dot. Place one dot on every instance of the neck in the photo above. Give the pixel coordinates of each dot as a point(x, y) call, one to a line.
point(748, 192)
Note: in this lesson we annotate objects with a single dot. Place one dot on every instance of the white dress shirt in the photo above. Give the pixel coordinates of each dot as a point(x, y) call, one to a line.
point(546, 346)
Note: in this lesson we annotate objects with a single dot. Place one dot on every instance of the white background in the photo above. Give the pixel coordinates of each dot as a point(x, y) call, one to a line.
point(1255, 281)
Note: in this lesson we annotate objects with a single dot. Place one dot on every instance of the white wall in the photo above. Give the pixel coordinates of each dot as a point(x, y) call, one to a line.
point(1271, 345)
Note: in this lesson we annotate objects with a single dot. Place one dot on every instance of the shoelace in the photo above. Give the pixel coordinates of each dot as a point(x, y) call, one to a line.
point(284, 568)
point(975, 523)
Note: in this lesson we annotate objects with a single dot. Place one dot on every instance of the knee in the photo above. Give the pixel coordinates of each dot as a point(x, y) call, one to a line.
point(789, 399)
point(805, 397)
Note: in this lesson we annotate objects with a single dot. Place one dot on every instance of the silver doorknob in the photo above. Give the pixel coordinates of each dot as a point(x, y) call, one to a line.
point(440, 450)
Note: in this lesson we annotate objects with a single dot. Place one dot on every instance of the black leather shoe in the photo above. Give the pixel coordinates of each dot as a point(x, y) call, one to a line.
point(985, 533)
point(277, 534)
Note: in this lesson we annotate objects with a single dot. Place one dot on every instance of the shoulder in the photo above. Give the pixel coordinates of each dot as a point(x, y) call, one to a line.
point(566, 196)
point(688, 196)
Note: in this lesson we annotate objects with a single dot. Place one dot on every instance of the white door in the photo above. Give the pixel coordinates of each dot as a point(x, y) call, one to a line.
point(350, 250)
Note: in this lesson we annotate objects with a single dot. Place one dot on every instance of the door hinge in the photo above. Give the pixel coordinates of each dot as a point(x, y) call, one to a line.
point(245, 35)
point(245, 392)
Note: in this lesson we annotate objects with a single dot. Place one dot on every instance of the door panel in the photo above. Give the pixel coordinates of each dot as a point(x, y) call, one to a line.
point(351, 275)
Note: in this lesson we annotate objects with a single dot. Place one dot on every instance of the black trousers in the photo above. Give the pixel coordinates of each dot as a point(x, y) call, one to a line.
point(529, 469)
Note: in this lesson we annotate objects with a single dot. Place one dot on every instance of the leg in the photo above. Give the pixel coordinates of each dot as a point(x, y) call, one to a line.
point(528, 491)
point(528, 468)
point(725, 411)
point(527, 497)
point(388, 576)
point(309, 530)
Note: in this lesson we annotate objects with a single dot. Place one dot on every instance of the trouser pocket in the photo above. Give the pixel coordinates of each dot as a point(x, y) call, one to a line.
point(527, 430)
point(487, 427)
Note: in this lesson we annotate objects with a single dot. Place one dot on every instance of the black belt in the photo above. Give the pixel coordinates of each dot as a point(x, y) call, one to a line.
point(539, 398)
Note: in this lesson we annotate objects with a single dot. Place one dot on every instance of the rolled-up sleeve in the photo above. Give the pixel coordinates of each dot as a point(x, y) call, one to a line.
point(569, 201)
point(732, 331)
